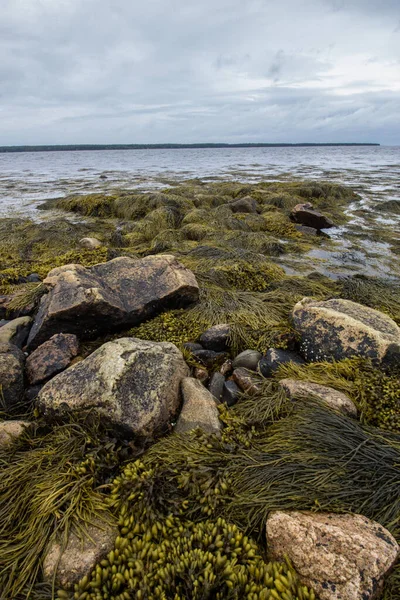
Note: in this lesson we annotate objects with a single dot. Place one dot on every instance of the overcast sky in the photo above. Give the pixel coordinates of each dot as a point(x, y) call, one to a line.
point(129, 71)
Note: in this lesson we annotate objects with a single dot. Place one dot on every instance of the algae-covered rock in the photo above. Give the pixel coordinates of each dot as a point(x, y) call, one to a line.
point(199, 408)
point(337, 329)
point(16, 331)
point(342, 557)
point(51, 357)
point(244, 205)
point(132, 384)
point(90, 243)
point(80, 555)
point(123, 291)
point(332, 398)
point(11, 431)
point(12, 361)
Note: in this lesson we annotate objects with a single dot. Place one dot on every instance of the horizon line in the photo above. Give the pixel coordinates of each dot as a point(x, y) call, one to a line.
point(166, 146)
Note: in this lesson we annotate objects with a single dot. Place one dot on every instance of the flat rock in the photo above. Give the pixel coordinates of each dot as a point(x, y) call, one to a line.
point(341, 557)
point(304, 215)
point(216, 385)
point(12, 361)
point(105, 297)
point(11, 431)
point(247, 381)
point(52, 357)
point(336, 329)
point(274, 358)
point(248, 359)
point(132, 384)
point(79, 556)
point(16, 331)
point(199, 409)
point(216, 338)
point(332, 398)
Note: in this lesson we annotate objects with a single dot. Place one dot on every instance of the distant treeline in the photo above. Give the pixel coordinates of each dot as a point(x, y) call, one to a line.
point(74, 147)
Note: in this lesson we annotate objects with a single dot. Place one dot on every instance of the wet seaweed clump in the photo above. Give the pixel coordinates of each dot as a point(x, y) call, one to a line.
point(172, 326)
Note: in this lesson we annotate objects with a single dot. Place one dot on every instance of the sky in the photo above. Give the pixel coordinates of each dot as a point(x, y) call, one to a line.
point(185, 71)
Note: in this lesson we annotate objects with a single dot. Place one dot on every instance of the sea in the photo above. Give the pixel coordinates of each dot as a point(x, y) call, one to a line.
point(29, 178)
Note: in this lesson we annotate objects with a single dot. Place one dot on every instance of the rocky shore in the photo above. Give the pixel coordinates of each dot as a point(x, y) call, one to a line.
point(181, 418)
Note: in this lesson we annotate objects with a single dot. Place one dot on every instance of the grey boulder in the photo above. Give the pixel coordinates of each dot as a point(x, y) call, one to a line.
point(132, 384)
point(341, 557)
point(336, 329)
point(107, 296)
point(199, 409)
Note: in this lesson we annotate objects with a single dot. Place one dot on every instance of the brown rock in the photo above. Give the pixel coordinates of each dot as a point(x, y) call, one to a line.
point(52, 357)
point(336, 329)
point(11, 430)
point(80, 556)
point(341, 557)
point(199, 408)
point(304, 215)
point(246, 380)
point(133, 384)
point(121, 292)
point(332, 398)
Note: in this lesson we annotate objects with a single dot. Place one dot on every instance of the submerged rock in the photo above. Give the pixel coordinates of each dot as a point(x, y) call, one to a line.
point(336, 329)
point(332, 398)
point(274, 358)
point(121, 292)
point(80, 555)
point(199, 408)
point(216, 338)
point(341, 557)
point(16, 331)
point(304, 214)
point(133, 384)
point(51, 357)
point(12, 361)
point(11, 431)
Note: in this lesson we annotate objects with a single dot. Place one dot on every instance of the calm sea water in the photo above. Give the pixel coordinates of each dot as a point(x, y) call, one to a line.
point(26, 179)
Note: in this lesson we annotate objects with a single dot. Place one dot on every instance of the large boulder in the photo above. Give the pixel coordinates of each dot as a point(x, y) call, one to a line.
point(332, 398)
point(51, 357)
point(107, 296)
point(132, 384)
point(199, 408)
point(304, 214)
point(341, 557)
point(12, 361)
point(68, 565)
point(336, 329)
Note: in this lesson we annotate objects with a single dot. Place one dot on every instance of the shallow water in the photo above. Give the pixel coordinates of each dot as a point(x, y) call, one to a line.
point(26, 179)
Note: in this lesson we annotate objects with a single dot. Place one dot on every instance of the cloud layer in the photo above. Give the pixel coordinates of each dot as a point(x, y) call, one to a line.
point(124, 71)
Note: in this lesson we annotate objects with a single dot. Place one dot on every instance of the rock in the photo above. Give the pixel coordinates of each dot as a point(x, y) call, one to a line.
point(3, 322)
point(244, 205)
point(275, 358)
point(11, 431)
point(209, 358)
point(341, 557)
point(226, 368)
point(332, 398)
point(201, 374)
point(90, 243)
point(230, 393)
point(132, 384)
point(52, 357)
point(192, 346)
point(216, 338)
point(32, 393)
point(246, 380)
point(304, 215)
point(33, 278)
point(248, 359)
point(11, 375)
point(337, 329)
point(216, 386)
point(199, 408)
point(79, 556)
point(306, 230)
point(16, 331)
point(108, 296)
